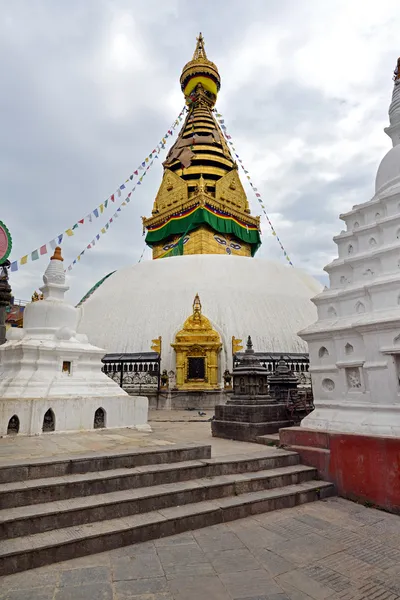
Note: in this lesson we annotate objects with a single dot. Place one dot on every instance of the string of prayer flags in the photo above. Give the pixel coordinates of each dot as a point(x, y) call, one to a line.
point(257, 194)
point(111, 220)
point(99, 210)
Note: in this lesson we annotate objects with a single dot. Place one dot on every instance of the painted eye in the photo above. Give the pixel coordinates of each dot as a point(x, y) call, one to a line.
point(186, 239)
point(168, 246)
point(220, 240)
point(235, 246)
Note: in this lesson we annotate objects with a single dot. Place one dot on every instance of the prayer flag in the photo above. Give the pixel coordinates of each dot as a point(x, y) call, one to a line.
point(101, 208)
point(112, 198)
point(53, 244)
point(35, 255)
point(60, 238)
point(43, 249)
point(24, 260)
point(69, 232)
point(96, 212)
point(103, 230)
point(122, 187)
point(81, 221)
point(14, 266)
point(75, 226)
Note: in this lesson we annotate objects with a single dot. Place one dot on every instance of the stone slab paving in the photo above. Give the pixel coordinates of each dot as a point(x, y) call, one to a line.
point(332, 549)
point(164, 434)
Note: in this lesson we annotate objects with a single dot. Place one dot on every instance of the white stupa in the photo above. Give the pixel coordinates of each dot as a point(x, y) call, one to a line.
point(355, 344)
point(240, 296)
point(50, 376)
point(204, 241)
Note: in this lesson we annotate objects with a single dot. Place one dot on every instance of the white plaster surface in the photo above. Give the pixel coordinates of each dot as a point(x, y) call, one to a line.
point(32, 378)
point(241, 296)
point(355, 344)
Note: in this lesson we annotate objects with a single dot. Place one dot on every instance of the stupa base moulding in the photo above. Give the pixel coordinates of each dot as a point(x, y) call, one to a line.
point(364, 468)
point(66, 414)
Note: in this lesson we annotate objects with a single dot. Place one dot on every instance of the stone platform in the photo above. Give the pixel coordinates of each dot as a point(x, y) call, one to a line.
point(247, 422)
point(364, 468)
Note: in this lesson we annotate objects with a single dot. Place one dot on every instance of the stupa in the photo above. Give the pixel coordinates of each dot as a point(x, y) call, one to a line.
point(353, 435)
point(203, 238)
point(50, 376)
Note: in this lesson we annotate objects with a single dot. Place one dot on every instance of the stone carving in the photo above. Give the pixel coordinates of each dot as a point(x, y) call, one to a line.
point(350, 249)
point(353, 378)
point(348, 349)
point(323, 352)
point(172, 379)
point(328, 385)
point(360, 308)
point(372, 242)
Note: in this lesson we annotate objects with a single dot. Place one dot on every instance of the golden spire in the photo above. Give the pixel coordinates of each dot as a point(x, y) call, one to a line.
point(57, 254)
point(196, 306)
point(200, 51)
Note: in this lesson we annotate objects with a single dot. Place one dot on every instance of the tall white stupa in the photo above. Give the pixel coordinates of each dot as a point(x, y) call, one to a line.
point(355, 344)
point(50, 376)
point(353, 435)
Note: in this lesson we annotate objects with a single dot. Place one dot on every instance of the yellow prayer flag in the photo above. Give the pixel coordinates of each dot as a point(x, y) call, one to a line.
point(69, 232)
point(123, 204)
point(103, 230)
point(78, 258)
point(24, 260)
point(101, 208)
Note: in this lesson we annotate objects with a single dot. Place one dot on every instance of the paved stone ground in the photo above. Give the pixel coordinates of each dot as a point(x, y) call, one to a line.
point(329, 549)
point(164, 433)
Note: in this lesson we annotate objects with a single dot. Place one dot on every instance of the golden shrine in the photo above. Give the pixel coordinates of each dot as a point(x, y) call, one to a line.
point(201, 206)
point(197, 347)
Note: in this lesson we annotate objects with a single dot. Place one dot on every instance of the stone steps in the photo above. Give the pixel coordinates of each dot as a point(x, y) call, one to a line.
point(37, 518)
point(20, 554)
point(138, 496)
point(117, 459)
point(50, 489)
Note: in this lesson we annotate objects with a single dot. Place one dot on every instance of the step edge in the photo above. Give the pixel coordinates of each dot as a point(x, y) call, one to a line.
point(162, 518)
point(152, 492)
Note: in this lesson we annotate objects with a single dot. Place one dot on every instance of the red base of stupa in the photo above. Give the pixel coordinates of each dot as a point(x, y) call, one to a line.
point(363, 468)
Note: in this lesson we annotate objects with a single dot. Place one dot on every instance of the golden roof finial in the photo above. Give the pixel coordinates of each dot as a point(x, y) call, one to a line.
point(57, 254)
point(200, 51)
point(197, 305)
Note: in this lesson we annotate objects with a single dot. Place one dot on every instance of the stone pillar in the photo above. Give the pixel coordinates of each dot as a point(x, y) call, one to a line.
point(5, 299)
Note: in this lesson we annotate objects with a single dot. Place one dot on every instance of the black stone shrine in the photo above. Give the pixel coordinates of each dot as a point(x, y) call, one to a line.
point(252, 411)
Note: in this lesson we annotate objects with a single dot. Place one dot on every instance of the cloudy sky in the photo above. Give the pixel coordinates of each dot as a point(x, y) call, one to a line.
point(90, 86)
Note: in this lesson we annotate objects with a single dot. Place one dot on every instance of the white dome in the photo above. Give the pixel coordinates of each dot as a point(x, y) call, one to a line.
point(388, 173)
point(241, 296)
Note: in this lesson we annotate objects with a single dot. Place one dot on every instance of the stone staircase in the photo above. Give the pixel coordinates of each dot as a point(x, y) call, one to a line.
point(57, 509)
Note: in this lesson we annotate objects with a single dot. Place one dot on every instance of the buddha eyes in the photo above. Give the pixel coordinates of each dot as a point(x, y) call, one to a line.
point(223, 242)
point(220, 240)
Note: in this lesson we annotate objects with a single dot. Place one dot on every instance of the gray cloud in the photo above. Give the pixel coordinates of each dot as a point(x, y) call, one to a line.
point(88, 89)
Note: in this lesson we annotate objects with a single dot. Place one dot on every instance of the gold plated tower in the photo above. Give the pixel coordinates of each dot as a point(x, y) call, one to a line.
point(201, 206)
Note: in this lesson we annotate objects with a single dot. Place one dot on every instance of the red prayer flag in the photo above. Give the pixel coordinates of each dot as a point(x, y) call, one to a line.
point(81, 221)
point(43, 249)
point(112, 198)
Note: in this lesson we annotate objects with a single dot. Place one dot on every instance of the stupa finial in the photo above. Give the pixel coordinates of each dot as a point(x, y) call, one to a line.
point(249, 344)
point(57, 254)
point(200, 51)
point(197, 305)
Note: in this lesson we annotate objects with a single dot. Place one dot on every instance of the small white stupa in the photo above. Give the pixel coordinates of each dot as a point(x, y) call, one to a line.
point(355, 344)
point(50, 376)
